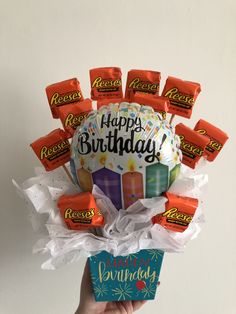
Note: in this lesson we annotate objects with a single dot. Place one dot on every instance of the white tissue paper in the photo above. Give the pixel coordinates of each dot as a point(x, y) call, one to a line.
point(125, 231)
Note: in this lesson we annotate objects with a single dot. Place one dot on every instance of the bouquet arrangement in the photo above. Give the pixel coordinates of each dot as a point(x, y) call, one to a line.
point(133, 182)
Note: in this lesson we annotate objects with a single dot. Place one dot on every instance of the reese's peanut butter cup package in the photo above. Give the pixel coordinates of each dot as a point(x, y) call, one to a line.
point(80, 211)
point(53, 150)
point(158, 103)
point(182, 95)
point(217, 138)
point(106, 102)
point(179, 212)
point(144, 81)
point(73, 114)
point(106, 83)
point(63, 93)
point(192, 144)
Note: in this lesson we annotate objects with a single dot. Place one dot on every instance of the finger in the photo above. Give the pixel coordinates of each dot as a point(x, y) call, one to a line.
point(138, 304)
point(86, 274)
point(125, 307)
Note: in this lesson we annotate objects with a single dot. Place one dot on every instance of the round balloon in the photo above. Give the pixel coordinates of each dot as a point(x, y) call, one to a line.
point(129, 151)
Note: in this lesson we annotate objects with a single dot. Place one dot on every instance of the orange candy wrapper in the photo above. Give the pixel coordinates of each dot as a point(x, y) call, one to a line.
point(217, 138)
point(182, 96)
point(72, 115)
point(158, 103)
point(192, 144)
point(106, 83)
point(179, 212)
point(106, 102)
point(80, 211)
point(63, 93)
point(53, 150)
point(142, 81)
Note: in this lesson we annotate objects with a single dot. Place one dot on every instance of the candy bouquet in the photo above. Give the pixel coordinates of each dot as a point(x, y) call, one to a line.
point(131, 188)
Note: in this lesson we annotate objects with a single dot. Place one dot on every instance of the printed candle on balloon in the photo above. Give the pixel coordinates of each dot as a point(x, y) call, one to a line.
point(174, 173)
point(109, 182)
point(132, 183)
point(84, 178)
point(157, 179)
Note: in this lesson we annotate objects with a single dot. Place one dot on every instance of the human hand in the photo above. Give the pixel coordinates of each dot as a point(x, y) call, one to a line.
point(88, 305)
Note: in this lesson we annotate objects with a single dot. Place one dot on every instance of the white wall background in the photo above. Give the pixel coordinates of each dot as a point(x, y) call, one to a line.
point(45, 41)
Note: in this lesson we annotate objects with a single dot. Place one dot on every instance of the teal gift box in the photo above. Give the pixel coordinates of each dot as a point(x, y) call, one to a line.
point(132, 277)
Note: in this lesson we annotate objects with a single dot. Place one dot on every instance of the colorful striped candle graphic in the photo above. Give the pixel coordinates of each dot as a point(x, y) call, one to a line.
point(109, 182)
point(132, 182)
point(85, 179)
point(157, 177)
point(174, 174)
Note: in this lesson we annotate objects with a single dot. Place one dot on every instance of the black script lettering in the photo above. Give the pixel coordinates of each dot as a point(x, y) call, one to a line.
point(120, 122)
point(117, 144)
point(84, 146)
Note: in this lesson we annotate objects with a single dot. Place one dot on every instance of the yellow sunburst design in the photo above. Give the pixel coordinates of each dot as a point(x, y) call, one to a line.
point(100, 290)
point(155, 254)
point(149, 291)
point(123, 291)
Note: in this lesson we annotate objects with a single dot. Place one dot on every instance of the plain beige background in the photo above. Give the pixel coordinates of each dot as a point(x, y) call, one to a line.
point(45, 41)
